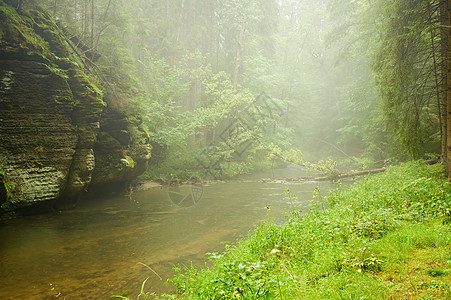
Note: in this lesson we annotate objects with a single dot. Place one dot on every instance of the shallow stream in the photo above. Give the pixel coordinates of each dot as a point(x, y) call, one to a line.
point(111, 244)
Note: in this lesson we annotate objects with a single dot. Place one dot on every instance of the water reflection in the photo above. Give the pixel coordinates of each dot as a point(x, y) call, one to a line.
point(101, 247)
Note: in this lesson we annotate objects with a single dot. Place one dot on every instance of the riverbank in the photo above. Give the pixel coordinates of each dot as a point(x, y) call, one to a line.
point(386, 237)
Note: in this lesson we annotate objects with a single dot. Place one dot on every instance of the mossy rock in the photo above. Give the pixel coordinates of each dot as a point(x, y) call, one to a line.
point(48, 143)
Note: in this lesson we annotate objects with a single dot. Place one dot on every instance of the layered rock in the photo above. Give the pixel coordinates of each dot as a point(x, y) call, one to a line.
point(52, 116)
point(122, 149)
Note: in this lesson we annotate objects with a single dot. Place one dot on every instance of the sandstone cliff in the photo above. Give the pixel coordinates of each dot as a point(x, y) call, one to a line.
point(57, 133)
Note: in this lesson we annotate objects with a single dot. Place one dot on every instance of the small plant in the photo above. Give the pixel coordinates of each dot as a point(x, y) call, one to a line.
point(367, 264)
point(130, 161)
point(142, 295)
point(436, 272)
point(268, 210)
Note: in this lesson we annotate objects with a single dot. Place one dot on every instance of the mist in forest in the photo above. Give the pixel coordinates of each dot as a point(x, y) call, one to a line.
point(124, 124)
point(228, 87)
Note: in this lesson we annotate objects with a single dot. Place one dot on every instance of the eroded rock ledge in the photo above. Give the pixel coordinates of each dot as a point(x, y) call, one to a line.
point(56, 134)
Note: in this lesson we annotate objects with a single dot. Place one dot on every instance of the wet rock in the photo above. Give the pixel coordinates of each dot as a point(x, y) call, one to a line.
point(52, 141)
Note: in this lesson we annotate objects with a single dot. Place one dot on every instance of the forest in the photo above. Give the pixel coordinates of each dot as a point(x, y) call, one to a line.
point(227, 87)
point(145, 147)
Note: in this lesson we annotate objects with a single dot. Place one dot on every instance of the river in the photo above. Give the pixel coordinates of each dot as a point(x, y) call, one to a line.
point(110, 244)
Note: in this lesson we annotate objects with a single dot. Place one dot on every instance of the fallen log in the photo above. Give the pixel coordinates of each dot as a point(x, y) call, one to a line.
point(365, 172)
point(323, 178)
point(431, 161)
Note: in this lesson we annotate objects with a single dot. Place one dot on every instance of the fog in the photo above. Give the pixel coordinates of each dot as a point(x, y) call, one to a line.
point(194, 72)
point(210, 113)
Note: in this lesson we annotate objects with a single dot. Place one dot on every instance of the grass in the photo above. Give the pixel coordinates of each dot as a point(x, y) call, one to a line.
point(386, 237)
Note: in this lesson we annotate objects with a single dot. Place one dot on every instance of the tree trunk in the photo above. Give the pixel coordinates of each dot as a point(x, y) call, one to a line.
point(180, 21)
point(84, 22)
point(238, 54)
point(92, 24)
point(436, 75)
point(446, 83)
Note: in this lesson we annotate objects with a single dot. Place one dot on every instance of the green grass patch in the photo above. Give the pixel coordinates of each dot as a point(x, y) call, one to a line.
point(386, 237)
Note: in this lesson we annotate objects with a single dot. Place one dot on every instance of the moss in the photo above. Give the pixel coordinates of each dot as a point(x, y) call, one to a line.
point(3, 192)
point(45, 28)
point(18, 30)
point(66, 63)
point(130, 160)
point(33, 34)
point(13, 204)
point(88, 82)
point(7, 200)
point(6, 82)
point(7, 187)
point(88, 102)
point(56, 70)
point(63, 98)
point(67, 86)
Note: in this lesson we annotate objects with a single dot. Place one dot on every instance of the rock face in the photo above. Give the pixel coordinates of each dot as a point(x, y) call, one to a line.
point(56, 135)
point(122, 149)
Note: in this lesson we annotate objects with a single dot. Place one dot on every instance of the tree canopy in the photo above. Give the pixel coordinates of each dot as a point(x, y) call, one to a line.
point(359, 80)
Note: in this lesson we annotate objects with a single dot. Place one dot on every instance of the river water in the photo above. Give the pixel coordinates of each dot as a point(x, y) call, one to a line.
point(111, 244)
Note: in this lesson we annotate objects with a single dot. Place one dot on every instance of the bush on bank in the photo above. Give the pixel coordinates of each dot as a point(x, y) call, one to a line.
point(387, 236)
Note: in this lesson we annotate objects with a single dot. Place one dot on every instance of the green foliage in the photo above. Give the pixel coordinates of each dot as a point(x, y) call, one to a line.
point(8, 187)
point(350, 78)
point(18, 33)
point(6, 82)
point(424, 196)
point(401, 39)
point(436, 272)
point(170, 170)
point(10, 199)
point(130, 161)
point(334, 253)
point(220, 121)
point(406, 70)
point(294, 156)
point(171, 116)
point(328, 167)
